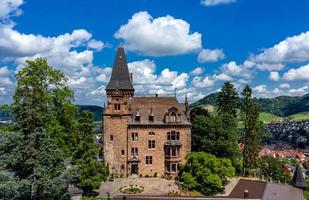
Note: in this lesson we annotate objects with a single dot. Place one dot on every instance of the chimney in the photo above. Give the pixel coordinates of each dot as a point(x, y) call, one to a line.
point(131, 77)
point(246, 194)
point(157, 95)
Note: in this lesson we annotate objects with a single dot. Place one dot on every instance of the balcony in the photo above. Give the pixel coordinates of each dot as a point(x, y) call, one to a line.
point(173, 143)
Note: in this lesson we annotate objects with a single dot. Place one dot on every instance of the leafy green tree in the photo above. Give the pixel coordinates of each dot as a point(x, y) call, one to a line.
point(89, 170)
point(252, 131)
point(273, 168)
point(227, 99)
point(11, 188)
point(216, 135)
point(43, 101)
point(206, 173)
point(39, 155)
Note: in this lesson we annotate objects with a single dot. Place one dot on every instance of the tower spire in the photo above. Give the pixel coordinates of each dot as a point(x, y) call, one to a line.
point(298, 178)
point(120, 78)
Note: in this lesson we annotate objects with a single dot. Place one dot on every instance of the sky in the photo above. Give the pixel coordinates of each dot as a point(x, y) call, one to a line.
point(192, 45)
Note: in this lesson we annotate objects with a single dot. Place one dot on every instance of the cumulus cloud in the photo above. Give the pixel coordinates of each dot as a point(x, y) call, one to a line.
point(284, 85)
point(274, 76)
point(200, 82)
point(222, 77)
point(10, 8)
point(301, 73)
point(292, 49)
point(299, 91)
point(208, 55)
point(197, 71)
point(4, 71)
point(216, 2)
point(260, 89)
point(158, 36)
point(233, 69)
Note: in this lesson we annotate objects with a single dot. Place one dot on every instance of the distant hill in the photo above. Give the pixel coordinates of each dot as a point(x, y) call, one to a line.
point(282, 106)
point(96, 110)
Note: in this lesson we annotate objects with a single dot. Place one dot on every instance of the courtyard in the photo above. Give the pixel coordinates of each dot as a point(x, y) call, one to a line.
point(151, 186)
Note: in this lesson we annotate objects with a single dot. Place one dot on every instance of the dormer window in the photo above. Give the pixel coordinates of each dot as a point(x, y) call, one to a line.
point(137, 117)
point(173, 117)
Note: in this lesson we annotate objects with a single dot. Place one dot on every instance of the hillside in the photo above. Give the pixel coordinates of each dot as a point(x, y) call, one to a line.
point(282, 106)
point(96, 110)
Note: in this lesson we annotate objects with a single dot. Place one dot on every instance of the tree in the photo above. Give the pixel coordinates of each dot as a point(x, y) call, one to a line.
point(227, 99)
point(252, 131)
point(89, 170)
point(216, 135)
point(39, 154)
point(206, 173)
point(273, 168)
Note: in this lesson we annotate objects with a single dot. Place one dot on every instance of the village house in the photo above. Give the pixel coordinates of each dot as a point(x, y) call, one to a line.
point(143, 136)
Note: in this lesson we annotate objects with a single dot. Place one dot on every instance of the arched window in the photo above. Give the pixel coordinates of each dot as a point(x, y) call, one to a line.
point(173, 117)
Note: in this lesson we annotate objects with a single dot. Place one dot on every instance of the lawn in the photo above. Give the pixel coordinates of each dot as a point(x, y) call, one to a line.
point(299, 116)
point(267, 118)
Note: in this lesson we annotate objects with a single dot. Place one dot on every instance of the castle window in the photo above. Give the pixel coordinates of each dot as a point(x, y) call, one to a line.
point(122, 167)
point(173, 117)
point(148, 160)
point(134, 151)
point(151, 144)
point(134, 136)
point(122, 152)
point(173, 135)
point(137, 117)
point(151, 133)
point(151, 118)
point(111, 138)
point(117, 106)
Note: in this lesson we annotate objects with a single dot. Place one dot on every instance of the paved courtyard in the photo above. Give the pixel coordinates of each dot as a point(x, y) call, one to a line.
point(152, 186)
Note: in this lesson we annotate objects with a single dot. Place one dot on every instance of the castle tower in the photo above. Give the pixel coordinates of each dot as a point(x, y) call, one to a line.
point(119, 90)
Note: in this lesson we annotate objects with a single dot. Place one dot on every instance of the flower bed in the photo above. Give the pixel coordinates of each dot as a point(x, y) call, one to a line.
point(132, 189)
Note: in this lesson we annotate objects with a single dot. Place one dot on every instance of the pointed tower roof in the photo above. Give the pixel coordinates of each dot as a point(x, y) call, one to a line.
point(298, 178)
point(120, 78)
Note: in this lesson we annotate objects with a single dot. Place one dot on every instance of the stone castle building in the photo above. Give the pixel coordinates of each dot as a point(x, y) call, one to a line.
point(142, 135)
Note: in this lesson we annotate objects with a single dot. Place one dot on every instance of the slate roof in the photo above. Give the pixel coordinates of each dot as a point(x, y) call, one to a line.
point(158, 107)
point(266, 191)
point(255, 189)
point(298, 178)
point(120, 78)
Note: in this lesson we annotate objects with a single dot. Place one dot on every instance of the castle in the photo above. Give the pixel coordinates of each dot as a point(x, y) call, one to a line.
point(143, 136)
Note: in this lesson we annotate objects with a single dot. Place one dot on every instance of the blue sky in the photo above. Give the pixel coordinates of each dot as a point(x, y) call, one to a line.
point(193, 46)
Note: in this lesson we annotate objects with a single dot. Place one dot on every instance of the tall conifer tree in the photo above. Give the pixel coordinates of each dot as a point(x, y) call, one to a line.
point(252, 130)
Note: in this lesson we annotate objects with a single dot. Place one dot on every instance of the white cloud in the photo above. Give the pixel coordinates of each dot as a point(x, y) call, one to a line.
point(260, 89)
point(274, 76)
point(284, 86)
point(9, 8)
point(292, 49)
point(5, 81)
point(301, 73)
point(197, 71)
point(104, 75)
point(180, 81)
point(95, 44)
point(2, 91)
point(233, 69)
point(299, 91)
point(269, 67)
point(222, 77)
point(143, 71)
point(207, 82)
point(158, 37)
point(216, 2)
point(208, 55)
point(4, 71)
